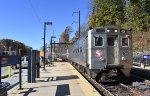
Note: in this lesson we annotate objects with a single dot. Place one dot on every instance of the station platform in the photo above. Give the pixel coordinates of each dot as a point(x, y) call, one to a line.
point(61, 79)
point(142, 67)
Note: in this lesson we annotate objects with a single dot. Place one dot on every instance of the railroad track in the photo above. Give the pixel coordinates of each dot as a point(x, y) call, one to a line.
point(111, 89)
point(140, 74)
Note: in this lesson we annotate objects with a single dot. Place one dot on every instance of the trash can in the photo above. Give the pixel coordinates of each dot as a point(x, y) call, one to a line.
point(3, 88)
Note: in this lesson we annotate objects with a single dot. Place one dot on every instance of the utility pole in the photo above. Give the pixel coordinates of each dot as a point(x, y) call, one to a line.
point(45, 23)
point(44, 43)
point(51, 49)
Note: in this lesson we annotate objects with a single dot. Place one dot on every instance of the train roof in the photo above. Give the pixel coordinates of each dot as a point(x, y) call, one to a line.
point(109, 30)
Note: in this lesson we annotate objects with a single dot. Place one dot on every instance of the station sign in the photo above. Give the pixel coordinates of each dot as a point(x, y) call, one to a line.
point(146, 56)
point(9, 60)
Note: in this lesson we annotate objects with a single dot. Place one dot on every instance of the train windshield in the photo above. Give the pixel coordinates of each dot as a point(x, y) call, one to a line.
point(125, 42)
point(98, 41)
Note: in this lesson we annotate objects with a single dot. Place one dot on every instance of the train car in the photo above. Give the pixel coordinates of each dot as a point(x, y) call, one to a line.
point(64, 54)
point(103, 52)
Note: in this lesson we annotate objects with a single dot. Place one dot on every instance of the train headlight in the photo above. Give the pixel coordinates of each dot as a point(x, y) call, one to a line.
point(116, 31)
point(108, 30)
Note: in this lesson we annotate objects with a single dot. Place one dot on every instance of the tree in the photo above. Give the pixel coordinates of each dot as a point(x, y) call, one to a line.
point(137, 15)
point(107, 13)
point(64, 38)
point(134, 14)
point(12, 45)
point(7, 43)
point(65, 34)
point(68, 30)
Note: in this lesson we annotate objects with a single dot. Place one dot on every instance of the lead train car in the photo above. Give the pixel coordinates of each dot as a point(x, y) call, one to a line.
point(102, 51)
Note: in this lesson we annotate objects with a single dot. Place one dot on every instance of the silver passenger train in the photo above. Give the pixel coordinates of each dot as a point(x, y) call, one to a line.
point(103, 52)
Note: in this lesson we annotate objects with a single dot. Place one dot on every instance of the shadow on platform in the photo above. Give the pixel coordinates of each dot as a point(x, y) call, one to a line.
point(66, 77)
point(63, 90)
point(58, 78)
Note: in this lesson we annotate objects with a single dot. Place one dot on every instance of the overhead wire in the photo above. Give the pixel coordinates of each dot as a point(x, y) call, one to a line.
point(35, 12)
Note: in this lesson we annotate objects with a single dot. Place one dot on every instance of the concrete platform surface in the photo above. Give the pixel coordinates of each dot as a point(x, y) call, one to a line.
point(61, 79)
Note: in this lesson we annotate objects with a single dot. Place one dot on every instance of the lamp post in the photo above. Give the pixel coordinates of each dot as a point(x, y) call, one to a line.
point(51, 46)
point(45, 23)
point(78, 19)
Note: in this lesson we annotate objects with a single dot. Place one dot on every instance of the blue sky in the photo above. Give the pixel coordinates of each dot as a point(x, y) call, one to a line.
point(23, 20)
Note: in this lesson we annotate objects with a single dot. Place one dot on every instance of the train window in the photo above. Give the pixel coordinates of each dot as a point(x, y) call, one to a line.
point(98, 41)
point(110, 41)
point(102, 30)
point(125, 42)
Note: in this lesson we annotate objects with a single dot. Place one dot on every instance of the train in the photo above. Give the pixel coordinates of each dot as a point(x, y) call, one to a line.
point(102, 52)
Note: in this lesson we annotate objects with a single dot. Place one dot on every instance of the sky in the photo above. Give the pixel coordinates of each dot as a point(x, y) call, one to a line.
point(23, 20)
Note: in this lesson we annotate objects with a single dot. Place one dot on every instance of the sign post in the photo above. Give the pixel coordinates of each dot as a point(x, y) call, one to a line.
point(29, 67)
point(20, 72)
point(0, 71)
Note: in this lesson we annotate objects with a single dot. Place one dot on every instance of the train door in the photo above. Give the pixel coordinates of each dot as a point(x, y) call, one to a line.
point(112, 49)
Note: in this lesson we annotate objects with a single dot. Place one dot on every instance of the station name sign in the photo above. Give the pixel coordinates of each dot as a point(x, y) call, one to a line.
point(9, 60)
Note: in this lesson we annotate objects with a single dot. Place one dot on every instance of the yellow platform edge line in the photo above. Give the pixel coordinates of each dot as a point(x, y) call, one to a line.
point(87, 88)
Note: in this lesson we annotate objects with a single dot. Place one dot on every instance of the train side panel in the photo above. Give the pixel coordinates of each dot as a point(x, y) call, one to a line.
point(98, 51)
point(78, 52)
